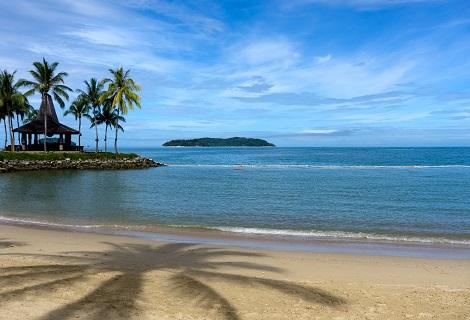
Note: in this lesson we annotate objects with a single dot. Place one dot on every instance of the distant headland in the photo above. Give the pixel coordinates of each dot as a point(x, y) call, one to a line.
point(219, 142)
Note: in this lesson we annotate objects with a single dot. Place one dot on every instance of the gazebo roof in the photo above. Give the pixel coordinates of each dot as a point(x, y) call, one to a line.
point(53, 124)
point(37, 126)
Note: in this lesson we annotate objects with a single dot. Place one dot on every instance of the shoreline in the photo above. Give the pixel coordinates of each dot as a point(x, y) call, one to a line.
point(53, 274)
point(11, 166)
point(213, 236)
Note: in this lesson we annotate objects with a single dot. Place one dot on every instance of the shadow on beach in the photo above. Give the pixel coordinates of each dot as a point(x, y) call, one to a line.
point(190, 267)
point(6, 243)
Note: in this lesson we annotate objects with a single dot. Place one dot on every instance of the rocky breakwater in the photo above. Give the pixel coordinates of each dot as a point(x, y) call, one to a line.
point(88, 164)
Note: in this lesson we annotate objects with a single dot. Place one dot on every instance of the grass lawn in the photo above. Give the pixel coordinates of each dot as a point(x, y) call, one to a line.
point(60, 155)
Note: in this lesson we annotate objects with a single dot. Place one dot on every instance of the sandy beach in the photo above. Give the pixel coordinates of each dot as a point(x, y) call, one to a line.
point(49, 274)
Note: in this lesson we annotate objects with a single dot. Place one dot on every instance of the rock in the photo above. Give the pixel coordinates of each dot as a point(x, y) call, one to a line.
point(87, 164)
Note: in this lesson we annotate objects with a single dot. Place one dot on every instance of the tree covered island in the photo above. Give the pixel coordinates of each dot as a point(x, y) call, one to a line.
point(219, 142)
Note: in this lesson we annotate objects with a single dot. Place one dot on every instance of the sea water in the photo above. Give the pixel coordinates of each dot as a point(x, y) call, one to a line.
point(384, 194)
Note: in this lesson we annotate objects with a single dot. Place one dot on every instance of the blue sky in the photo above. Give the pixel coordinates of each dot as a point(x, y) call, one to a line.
point(298, 72)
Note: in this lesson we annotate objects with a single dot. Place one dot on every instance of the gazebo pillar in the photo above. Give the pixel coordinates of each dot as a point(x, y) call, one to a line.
point(23, 141)
point(61, 142)
point(68, 140)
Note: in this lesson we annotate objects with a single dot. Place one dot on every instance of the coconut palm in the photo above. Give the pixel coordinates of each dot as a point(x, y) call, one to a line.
point(11, 99)
point(110, 118)
point(79, 108)
point(20, 112)
point(116, 121)
point(3, 117)
point(31, 115)
point(46, 80)
point(123, 92)
point(92, 93)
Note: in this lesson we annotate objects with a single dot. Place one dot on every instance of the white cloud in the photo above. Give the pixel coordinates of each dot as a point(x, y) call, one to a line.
point(191, 18)
point(259, 52)
point(104, 36)
point(319, 131)
point(322, 59)
point(88, 7)
point(343, 77)
point(361, 4)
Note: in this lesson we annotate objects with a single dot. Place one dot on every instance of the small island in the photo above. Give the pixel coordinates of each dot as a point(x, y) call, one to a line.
point(219, 142)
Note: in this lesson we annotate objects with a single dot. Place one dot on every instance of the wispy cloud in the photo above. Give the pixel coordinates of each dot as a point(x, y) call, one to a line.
point(265, 51)
point(323, 59)
point(362, 4)
point(194, 19)
point(104, 36)
point(315, 133)
point(256, 85)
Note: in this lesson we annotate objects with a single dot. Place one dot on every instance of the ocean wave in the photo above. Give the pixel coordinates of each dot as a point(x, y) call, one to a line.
point(331, 235)
point(24, 221)
point(284, 233)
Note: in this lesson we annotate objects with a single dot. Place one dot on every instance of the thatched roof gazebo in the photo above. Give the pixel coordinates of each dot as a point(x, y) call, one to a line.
point(47, 119)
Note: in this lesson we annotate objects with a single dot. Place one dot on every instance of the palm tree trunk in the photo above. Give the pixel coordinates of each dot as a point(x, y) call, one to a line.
point(79, 131)
point(18, 125)
point(12, 137)
point(6, 132)
point(116, 136)
point(96, 129)
point(45, 123)
point(106, 139)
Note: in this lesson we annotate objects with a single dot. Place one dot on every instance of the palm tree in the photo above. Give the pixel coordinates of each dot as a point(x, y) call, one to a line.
point(31, 115)
point(20, 112)
point(122, 91)
point(116, 121)
point(110, 118)
point(11, 99)
point(92, 94)
point(78, 109)
point(3, 117)
point(47, 80)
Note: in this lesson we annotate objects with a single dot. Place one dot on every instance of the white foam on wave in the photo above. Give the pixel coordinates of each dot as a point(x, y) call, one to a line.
point(47, 223)
point(340, 235)
point(313, 234)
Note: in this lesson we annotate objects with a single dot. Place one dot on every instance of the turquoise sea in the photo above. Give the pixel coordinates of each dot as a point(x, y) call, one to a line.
point(383, 194)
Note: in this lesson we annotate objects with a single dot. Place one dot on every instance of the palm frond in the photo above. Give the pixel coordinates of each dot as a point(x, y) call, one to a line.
point(63, 87)
point(60, 92)
point(59, 99)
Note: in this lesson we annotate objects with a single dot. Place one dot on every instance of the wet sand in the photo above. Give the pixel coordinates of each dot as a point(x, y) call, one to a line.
point(51, 274)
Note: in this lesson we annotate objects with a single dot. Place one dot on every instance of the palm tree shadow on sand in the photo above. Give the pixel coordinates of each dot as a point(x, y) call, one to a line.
point(6, 243)
point(190, 266)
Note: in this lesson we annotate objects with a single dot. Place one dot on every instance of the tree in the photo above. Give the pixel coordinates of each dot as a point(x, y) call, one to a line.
point(110, 118)
point(123, 92)
point(31, 115)
point(78, 109)
point(21, 111)
point(92, 94)
point(11, 99)
point(46, 80)
point(3, 117)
